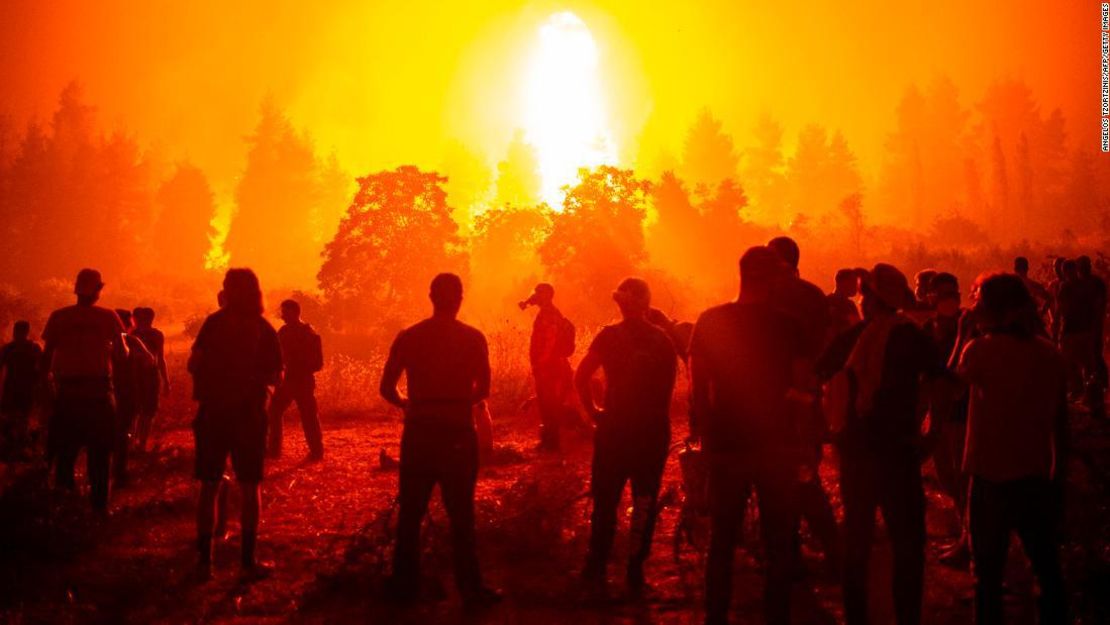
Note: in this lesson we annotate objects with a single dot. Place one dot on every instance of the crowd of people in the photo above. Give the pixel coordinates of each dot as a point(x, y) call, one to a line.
point(777, 377)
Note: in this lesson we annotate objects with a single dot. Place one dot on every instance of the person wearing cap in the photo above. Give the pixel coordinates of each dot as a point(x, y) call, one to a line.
point(747, 359)
point(881, 445)
point(303, 356)
point(82, 352)
point(234, 361)
point(19, 361)
point(446, 364)
point(549, 352)
point(1017, 448)
point(633, 429)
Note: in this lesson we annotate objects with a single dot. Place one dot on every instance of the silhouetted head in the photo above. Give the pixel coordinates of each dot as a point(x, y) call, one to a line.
point(1003, 304)
point(633, 297)
point(1021, 266)
point(787, 249)
point(760, 268)
point(886, 290)
point(847, 282)
point(1069, 270)
point(124, 316)
point(446, 293)
point(944, 293)
point(242, 293)
point(921, 282)
point(1083, 266)
point(143, 316)
point(290, 311)
point(21, 330)
point(541, 296)
point(88, 285)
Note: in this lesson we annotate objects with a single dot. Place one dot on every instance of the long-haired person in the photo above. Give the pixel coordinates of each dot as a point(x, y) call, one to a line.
point(235, 357)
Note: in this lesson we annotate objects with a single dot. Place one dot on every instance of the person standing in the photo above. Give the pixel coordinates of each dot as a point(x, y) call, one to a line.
point(137, 367)
point(19, 360)
point(881, 445)
point(746, 359)
point(234, 360)
point(633, 429)
point(1017, 449)
point(1095, 392)
point(303, 355)
point(843, 312)
point(446, 364)
point(549, 351)
point(157, 381)
point(83, 352)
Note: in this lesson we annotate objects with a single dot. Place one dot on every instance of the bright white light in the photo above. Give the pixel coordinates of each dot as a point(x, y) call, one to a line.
point(564, 114)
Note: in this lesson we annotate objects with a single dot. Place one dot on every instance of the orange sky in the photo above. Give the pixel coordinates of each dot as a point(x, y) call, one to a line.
point(391, 82)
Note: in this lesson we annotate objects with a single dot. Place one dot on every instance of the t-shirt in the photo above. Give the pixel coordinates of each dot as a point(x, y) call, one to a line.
point(299, 349)
point(83, 338)
point(892, 424)
point(235, 357)
point(808, 305)
point(154, 341)
point(843, 314)
point(639, 362)
point(945, 331)
point(1018, 388)
point(742, 362)
point(542, 347)
point(446, 365)
point(20, 360)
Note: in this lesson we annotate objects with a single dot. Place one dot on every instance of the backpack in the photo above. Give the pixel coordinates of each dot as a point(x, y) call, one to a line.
point(315, 355)
point(564, 338)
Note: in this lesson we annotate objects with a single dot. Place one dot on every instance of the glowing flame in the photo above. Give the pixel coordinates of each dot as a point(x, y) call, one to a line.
point(564, 114)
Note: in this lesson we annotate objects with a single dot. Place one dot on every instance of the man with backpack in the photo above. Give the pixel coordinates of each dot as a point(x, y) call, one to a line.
point(551, 347)
point(302, 355)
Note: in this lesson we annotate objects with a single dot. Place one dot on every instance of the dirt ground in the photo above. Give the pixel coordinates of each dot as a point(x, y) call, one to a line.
point(327, 528)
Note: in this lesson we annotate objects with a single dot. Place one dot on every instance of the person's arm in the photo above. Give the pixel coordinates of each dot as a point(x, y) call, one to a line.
point(582, 378)
point(391, 375)
point(482, 375)
point(701, 396)
point(162, 369)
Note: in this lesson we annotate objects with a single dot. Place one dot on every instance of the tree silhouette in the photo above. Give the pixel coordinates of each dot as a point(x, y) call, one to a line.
point(708, 155)
point(764, 170)
point(183, 229)
point(469, 182)
point(598, 238)
point(518, 176)
point(503, 256)
point(276, 199)
point(397, 233)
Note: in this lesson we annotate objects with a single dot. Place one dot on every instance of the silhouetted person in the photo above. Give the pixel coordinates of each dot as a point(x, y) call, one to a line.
point(843, 312)
point(83, 347)
point(1076, 308)
point(446, 364)
point(948, 412)
point(156, 381)
point(1097, 380)
point(633, 429)
point(133, 372)
point(1038, 291)
point(1016, 449)
point(745, 358)
point(303, 356)
point(550, 348)
point(234, 358)
point(19, 360)
point(886, 357)
point(808, 305)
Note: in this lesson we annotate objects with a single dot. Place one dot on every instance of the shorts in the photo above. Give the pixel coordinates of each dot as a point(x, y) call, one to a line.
point(238, 430)
point(149, 391)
